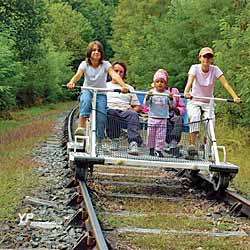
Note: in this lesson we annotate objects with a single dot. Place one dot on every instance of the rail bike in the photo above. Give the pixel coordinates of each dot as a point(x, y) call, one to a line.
point(209, 158)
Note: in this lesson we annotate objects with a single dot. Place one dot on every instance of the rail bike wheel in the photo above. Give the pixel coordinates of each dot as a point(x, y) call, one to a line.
point(220, 181)
point(81, 171)
point(192, 174)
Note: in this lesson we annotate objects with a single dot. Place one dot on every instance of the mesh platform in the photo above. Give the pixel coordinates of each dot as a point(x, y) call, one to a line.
point(159, 136)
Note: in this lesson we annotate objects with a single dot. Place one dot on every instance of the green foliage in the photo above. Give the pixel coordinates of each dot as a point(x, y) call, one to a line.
point(135, 34)
point(68, 30)
point(40, 40)
point(7, 99)
point(234, 56)
point(98, 13)
point(110, 2)
point(23, 19)
point(169, 34)
point(10, 69)
point(43, 79)
point(10, 72)
point(163, 34)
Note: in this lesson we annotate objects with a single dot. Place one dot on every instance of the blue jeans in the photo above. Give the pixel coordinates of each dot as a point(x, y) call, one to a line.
point(101, 110)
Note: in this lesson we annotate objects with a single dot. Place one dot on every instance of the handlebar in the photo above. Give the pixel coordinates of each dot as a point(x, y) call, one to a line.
point(66, 87)
point(212, 98)
point(146, 92)
point(96, 89)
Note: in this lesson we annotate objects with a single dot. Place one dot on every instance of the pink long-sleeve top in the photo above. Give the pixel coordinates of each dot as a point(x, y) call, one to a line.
point(177, 101)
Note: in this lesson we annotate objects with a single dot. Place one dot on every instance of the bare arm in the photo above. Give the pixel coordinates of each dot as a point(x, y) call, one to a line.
point(133, 99)
point(75, 78)
point(149, 94)
point(189, 86)
point(229, 89)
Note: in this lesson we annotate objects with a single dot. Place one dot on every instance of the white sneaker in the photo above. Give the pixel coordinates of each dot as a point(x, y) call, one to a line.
point(133, 148)
point(115, 145)
point(192, 151)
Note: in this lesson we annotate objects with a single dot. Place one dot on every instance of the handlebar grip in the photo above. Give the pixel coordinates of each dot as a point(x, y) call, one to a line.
point(119, 90)
point(66, 87)
point(232, 100)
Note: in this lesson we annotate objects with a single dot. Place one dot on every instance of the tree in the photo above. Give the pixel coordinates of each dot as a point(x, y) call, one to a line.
point(10, 68)
point(134, 32)
point(67, 29)
point(232, 52)
point(42, 79)
point(153, 34)
point(23, 20)
point(98, 13)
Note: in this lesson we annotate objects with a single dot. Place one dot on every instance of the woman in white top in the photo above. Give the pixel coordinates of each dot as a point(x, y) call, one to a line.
point(95, 70)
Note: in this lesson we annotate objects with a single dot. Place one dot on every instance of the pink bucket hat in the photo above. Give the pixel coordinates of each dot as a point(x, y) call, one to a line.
point(161, 74)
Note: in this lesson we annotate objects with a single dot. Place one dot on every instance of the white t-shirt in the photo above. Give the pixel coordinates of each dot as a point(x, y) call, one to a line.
point(116, 100)
point(203, 84)
point(95, 77)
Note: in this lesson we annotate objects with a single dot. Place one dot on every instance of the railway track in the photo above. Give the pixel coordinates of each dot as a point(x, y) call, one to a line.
point(124, 207)
point(126, 197)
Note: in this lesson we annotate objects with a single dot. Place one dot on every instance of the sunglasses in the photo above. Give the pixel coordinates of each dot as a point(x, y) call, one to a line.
point(208, 56)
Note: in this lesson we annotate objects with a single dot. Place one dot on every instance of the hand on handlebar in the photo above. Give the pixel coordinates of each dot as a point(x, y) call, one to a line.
point(171, 95)
point(150, 93)
point(124, 90)
point(187, 95)
point(236, 100)
point(70, 85)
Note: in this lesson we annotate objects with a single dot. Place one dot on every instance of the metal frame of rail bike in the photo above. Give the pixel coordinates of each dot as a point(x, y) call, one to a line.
point(221, 173)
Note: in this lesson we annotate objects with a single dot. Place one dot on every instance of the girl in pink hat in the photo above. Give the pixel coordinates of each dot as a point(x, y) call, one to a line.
point(158, 114)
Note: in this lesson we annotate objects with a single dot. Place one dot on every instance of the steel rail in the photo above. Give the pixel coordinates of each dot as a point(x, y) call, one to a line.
point(71, 121)
point(238, 203)
point(95, 228)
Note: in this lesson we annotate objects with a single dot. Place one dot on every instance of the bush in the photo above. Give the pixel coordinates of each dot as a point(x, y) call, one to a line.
point(7, 100)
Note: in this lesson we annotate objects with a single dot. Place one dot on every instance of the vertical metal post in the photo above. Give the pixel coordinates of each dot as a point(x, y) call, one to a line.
point(93, 125)
point(212, 133)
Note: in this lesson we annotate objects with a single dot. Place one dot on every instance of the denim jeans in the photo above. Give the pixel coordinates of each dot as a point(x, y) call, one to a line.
point(101, 110)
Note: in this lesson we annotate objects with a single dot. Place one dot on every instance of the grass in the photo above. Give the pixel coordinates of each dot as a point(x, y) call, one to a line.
point(18, 137)
point(237, 142)
point(182, 242)
point(179, 217)
point(166, 222)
